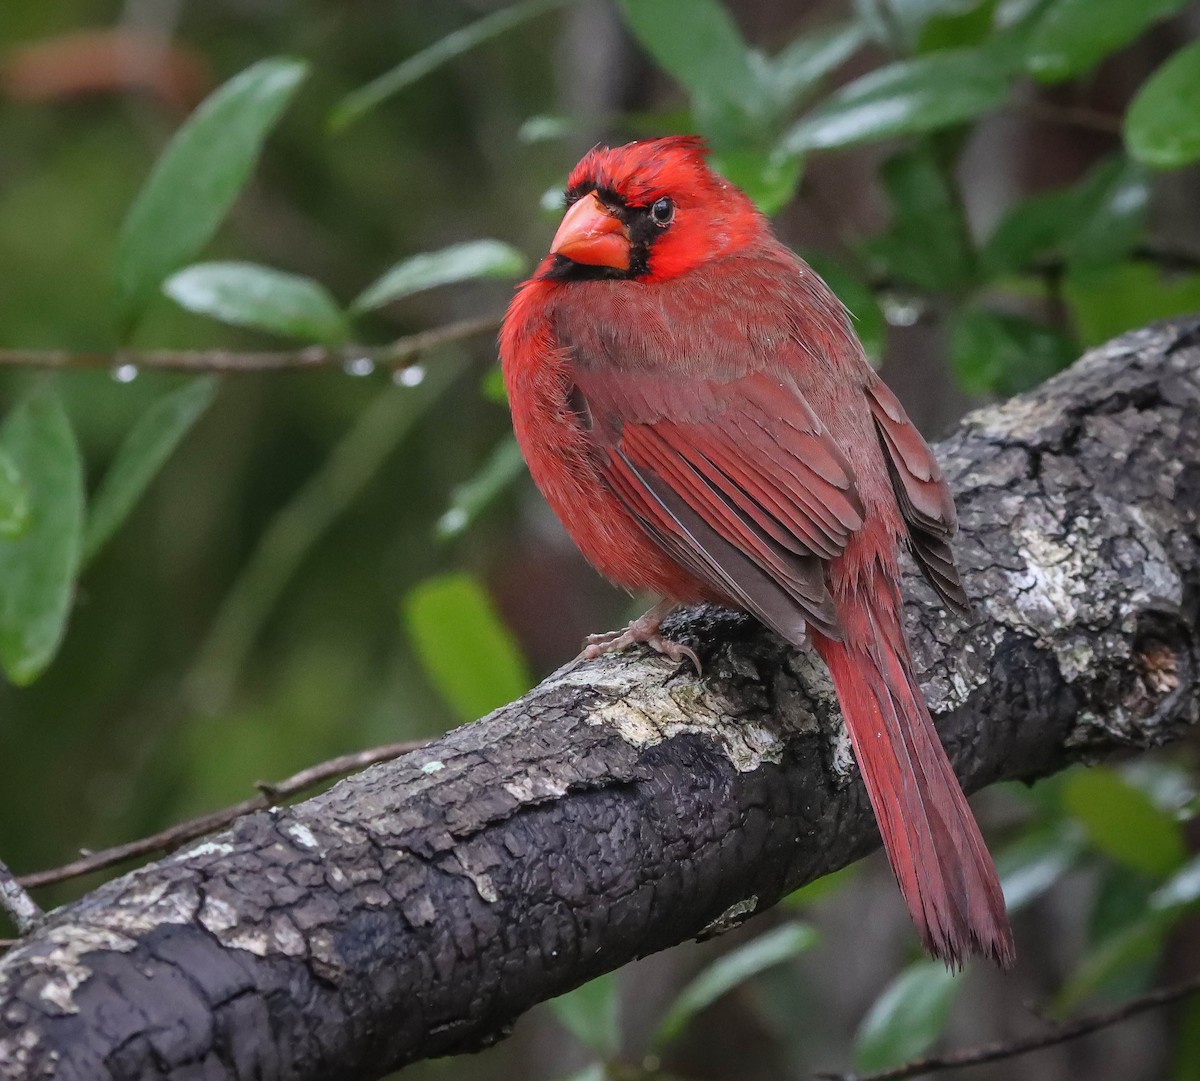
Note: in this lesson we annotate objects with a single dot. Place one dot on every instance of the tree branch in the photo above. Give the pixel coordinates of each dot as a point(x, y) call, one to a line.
point(622, 806)
point(21, 908)
point(172, 837)
point(396, 354)
point(1056, 1034)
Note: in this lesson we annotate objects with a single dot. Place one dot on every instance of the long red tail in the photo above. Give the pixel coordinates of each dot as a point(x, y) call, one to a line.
point(933, 843)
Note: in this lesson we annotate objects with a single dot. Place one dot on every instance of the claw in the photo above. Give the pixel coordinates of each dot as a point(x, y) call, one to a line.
point(643, 631)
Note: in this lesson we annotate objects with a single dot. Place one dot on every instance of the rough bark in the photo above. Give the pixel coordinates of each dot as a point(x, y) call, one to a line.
point(623, 805)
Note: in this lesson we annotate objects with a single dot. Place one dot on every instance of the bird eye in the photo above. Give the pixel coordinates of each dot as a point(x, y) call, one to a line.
point(662, 211)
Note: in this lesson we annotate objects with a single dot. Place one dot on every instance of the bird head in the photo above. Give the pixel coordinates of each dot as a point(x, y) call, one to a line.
point(648, 211)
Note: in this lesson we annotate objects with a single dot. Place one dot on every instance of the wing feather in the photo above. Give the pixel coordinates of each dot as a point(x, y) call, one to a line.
point(922, 493)
point(750, 512)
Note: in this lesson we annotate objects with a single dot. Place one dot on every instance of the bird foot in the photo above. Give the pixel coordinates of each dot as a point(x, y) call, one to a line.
point(645, 630)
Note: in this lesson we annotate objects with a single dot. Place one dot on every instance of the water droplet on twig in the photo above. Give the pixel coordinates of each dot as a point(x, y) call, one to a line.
point(125, 373)
point(412, 376)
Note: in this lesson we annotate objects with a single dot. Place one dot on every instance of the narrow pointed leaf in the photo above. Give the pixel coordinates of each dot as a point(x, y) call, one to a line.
point(589, 1013)
point(458, 263)
point(417, 66)
point(808, 59)
point(1000, 353)
point(1162, 126)
point(1124, 823)
point(248, 295)
point(1182, 888)
point(503, 467)
point(14, 498)
point(1032, 865)
point(698, 42)
point(1095, 221)
point(731, 970)
point(143, 453)
point(197, 179)
point(38, 568)
point(1108, 300)
point(1074, 35)
point(908, 1017)
point(905, 98)
point(468, 653)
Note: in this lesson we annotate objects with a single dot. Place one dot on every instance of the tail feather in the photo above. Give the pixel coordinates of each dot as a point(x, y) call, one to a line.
point(939, 859)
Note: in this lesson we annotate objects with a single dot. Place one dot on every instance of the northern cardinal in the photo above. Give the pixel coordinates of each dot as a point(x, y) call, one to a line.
point(694, 405)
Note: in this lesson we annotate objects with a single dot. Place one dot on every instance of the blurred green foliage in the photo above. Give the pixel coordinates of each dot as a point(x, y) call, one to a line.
point(199, 576)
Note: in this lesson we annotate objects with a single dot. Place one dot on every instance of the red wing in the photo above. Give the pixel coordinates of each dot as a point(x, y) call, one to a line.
point(922, 493)
point(738, 481)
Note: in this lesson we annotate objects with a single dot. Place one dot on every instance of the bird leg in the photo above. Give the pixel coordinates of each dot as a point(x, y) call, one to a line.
point(643, 631)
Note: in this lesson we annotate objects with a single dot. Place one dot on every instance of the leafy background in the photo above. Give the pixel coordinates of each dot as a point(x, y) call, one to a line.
point(209, 580)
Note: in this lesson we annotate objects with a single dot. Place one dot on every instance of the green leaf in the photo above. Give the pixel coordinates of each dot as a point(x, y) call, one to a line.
point(699, 44)
point(1130, 950)
point(247, 295)
point(819, 888)
point(905, 98)
point(14, 498)
point(900, 23)
point(807, 60)
point(417, 66)
point(468, 501)
point(1096, 221)
point(38, 568)
point(141, 455)
point(769, 179)
point(1181, 889)
point(1123, 823)
point(197, 178)
point(732, 970)
point(908, 1017)
point(926, 244)
point(590, 1014)
point(458, 263)
point(955, 29)
point(1162, 125)
point(1108, 300)
point(492, 386)
point(468, 653)
point(1074, 35)
point(1031, 866)
point(997, 353)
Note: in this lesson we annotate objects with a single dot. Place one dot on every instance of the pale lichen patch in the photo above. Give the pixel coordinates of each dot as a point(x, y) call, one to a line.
point(205, 848)
point(301, 834)
point(664, 711)
point(734, 916)
point(61, 968)
point(533, 786)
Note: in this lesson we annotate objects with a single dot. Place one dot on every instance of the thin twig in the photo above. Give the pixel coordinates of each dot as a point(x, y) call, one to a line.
point(174, 836)
point(396, 354)
point(16, 902)
point(994, 1052)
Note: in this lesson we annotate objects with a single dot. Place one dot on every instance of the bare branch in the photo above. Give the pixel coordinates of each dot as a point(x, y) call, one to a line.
point(397, 354)
point(169, 839)
point(17, 903)
point(1006, 1049)
point(623, 805)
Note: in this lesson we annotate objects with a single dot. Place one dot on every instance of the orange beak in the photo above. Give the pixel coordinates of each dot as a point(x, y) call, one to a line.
point(591, 233)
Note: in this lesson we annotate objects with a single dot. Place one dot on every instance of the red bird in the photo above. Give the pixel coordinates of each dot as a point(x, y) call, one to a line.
point(695, 407)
